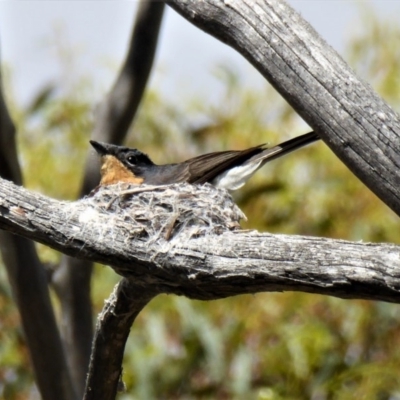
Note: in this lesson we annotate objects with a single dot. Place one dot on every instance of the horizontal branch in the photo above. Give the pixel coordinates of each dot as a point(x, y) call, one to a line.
point(184, 239)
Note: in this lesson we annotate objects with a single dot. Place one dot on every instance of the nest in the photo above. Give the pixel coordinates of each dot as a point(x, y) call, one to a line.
point(168, 211)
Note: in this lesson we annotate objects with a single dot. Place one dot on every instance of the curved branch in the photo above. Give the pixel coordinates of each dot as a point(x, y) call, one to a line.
point(353, 120)
point(116, 112)
point(9, 166)
point(193, 255)
point(118, 109)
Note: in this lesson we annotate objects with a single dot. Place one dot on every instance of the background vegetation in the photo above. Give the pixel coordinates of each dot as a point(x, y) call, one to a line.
point(269, 346)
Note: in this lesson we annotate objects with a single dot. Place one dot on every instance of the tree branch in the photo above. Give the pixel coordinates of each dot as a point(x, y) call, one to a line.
point(29, 284)
point(9, 166)
point(116, 112)
point(353, 120)
point(155, 237)
point(112, 331)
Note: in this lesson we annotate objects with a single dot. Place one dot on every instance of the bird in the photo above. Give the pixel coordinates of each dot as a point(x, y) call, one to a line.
point(224, 169)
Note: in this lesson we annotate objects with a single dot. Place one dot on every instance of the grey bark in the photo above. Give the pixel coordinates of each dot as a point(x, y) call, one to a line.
point(176, 256)
point(112, 331)
point(355, 122)
point(113, 118)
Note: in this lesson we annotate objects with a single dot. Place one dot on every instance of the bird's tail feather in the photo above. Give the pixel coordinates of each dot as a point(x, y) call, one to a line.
point(284, 148)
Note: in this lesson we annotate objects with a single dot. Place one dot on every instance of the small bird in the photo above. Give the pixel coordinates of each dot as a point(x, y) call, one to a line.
point(224, 169)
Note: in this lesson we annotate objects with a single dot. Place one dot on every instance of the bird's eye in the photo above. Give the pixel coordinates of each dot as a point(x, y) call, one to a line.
point(131, 160)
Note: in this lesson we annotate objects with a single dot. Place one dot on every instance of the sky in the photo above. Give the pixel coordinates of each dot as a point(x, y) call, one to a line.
point(97, 33)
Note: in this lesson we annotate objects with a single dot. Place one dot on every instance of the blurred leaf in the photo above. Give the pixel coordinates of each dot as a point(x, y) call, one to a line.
point(41, 99)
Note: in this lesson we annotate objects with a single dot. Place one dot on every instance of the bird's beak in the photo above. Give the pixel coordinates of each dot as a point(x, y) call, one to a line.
point(103, 148)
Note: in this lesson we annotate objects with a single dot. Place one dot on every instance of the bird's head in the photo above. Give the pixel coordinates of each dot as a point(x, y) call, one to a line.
point(120, 164)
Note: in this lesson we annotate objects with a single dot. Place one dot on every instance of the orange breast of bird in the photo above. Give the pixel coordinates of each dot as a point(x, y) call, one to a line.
point(113, 171)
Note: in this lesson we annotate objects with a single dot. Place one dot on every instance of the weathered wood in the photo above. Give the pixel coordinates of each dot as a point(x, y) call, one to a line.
point(354, 121)
point(112, 331)
point(202, 263)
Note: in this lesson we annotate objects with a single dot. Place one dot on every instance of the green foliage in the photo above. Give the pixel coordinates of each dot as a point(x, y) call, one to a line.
point(266, 347)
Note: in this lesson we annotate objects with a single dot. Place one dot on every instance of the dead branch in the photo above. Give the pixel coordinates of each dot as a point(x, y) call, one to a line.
point(112, 330)
point(354, 121)
point(183, 239)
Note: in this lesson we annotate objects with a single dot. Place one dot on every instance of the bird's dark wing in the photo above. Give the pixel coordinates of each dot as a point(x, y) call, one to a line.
point(199, 169)
point(206, 167)
point(164, 174)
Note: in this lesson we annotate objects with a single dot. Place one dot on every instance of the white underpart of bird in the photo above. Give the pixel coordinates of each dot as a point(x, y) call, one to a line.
point(236, 177)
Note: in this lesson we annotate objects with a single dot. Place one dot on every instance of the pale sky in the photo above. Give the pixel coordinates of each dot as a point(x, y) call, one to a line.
point(98, 31)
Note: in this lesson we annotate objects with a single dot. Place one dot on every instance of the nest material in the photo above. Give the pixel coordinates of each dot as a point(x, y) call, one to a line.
point(155, 212)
